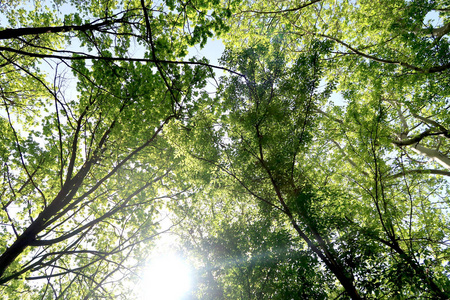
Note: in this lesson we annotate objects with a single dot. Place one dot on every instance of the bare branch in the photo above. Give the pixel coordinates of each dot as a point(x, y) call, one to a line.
point(85, 56)
point(17, 32)
point(419, 171)
point(282, 10)
point(435, 69)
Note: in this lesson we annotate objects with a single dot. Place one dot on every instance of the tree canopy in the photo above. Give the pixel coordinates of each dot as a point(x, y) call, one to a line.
point(318, 169)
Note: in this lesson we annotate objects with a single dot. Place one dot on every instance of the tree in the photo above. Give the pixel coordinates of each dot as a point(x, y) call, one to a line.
point(267, 118)
point(343, 177)
point(84, 171)
point(241, 252)
point(393, 48)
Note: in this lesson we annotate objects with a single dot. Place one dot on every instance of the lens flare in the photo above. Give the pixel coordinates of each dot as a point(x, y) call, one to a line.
point(166, 277)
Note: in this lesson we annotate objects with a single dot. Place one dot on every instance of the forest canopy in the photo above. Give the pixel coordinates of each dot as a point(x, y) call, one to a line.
point(318, 168)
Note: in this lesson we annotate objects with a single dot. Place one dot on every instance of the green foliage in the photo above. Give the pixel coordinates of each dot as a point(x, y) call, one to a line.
point(347, 176)
point(85, 171)
point(318, 170)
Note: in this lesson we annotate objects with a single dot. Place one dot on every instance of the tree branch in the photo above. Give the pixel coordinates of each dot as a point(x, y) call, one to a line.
point(419, 171)
point(17, 32)
point(417, 138)
point(96, 221)
point(444, 130)
point(435, 69)
point(85, 56)
point(433, 154)
point(282, 10)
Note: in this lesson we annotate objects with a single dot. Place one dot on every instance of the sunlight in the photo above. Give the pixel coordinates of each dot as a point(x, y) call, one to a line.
point(167, 277)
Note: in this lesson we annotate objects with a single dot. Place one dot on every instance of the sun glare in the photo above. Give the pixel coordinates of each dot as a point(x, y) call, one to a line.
point(166, 277)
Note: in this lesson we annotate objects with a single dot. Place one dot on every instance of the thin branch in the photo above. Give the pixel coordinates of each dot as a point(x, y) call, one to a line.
point(419, 171)
point(328, 116)
point(348, 157)
point(85, 56)
point(96, 221)
point(386, 61)
point(444, 130)
point(282, 10)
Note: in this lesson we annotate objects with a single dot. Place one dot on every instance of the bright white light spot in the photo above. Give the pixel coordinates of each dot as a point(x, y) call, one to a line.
point(166, 277)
